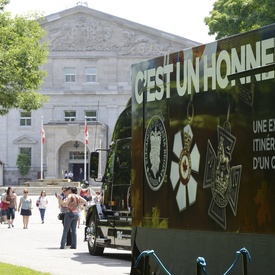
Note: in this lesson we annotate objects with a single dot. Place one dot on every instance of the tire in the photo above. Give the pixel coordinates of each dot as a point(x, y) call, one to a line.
point(94, 232)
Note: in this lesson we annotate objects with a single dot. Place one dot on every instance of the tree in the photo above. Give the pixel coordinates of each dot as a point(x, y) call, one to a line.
point(230, 17)
point(21, 55)
point(3, 3)
point(23, 164)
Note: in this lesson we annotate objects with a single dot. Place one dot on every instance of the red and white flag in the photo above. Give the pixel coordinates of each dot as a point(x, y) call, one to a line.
point(86, 133)
point(42, 134)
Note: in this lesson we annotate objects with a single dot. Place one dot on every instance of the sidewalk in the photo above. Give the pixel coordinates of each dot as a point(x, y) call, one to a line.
point(38, 247)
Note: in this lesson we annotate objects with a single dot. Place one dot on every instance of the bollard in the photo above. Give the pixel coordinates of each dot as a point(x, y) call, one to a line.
point(246, 256)
point(146, 268)
point(146, 265)
point(201, 264)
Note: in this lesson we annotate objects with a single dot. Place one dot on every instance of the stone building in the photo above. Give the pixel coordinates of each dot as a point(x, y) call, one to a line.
point(88, 75)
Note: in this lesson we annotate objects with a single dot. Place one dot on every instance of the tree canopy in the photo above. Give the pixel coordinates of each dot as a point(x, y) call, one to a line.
point(21, 55)
point(230, 17)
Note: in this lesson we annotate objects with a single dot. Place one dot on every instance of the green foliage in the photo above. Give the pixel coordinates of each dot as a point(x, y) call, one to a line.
point(3, 3)
point(23, 163)
point(21, 55)
point(230, 17)
point(9, 269)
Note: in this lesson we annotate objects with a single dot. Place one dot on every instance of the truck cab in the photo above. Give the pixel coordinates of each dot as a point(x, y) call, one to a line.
point(109, 222)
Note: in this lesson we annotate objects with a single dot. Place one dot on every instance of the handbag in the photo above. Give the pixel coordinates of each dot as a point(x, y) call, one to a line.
point(60, 216)
point(4, 206)
point(37, 202)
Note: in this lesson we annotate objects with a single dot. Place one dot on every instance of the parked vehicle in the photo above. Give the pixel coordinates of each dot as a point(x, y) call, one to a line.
point(201, 136)
point(108, 223)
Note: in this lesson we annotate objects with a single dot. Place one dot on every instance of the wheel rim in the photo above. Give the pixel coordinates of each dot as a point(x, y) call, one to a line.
point(92, 234)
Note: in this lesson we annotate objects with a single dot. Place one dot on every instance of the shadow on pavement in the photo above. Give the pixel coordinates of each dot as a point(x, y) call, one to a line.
point(107, 259)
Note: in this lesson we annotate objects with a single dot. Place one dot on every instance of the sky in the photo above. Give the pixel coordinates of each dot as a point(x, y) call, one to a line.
point(179, 17)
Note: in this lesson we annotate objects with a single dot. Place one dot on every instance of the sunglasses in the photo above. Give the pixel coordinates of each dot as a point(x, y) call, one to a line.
point(26, 192)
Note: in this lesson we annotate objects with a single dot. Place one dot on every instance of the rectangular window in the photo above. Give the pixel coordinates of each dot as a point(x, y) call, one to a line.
point(70, 73)
point(70, 115)
point(77, 155)
point(90, 74)
point(26, 151)
point(91, 115)
point(25, 118)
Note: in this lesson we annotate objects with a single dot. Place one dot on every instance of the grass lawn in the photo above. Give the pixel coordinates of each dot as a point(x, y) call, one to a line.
point(8, 269)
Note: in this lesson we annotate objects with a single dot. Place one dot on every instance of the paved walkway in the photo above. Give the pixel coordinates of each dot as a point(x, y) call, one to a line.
point(38, 247)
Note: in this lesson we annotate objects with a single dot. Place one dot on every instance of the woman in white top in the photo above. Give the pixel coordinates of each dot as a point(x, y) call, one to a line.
point(42, 204)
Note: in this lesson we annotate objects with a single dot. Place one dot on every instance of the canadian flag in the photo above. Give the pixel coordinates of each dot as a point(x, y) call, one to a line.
point(42, 134)
point(86, 133)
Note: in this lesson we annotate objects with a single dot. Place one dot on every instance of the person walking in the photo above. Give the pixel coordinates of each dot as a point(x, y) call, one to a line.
point(42, 203)
point(11, 199)
point(4, 207)
point(73, 202)
point(86, 195)
point(26, 205)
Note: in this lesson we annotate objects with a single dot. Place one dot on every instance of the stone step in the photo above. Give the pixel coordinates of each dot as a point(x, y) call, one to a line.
point(36, 191)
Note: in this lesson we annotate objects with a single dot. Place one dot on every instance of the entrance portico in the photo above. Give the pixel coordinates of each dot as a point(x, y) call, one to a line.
point(64, 148)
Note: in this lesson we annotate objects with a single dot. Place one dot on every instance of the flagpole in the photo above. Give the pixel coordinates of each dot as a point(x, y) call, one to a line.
point(42, 144)
point(85, 131)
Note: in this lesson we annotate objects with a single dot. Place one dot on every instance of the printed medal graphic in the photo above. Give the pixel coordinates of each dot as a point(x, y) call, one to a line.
point(155, 152)
point(181, 171)
point(223, 180)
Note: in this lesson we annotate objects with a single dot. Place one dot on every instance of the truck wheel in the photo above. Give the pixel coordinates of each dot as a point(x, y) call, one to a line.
point(92, 246)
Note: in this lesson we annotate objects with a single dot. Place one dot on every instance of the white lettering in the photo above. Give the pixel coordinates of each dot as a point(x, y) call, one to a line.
point(223, 64)
point(268, 58)
point(209, 71)
point(159, 83)
point(181, 89)
point(253, 61)
point(273, 162)
point(138, 92)
point(260, 126)
point(168, 69)
point(151, 84)
point(205, 71)
point(261, 163)
point(271, 125)
point(238, 64)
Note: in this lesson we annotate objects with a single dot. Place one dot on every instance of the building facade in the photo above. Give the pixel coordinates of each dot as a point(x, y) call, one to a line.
point(88, 76)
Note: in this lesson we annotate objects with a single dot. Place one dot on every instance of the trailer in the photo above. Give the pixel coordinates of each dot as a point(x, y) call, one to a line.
point(191, 168)
point(203, 155)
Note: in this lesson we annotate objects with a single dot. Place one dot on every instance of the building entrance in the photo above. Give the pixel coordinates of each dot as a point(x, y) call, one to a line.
point(78, 171)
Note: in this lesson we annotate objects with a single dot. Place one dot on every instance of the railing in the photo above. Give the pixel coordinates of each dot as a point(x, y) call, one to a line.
point(146, 254)
point(201, 263)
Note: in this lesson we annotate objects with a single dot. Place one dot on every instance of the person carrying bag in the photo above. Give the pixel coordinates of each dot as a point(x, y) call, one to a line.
point(72, 201)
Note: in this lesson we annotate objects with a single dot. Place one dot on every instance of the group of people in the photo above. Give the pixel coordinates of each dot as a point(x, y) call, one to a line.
point(70, 175)
point(9, 206)
point(70, 203)
point(71, 206)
